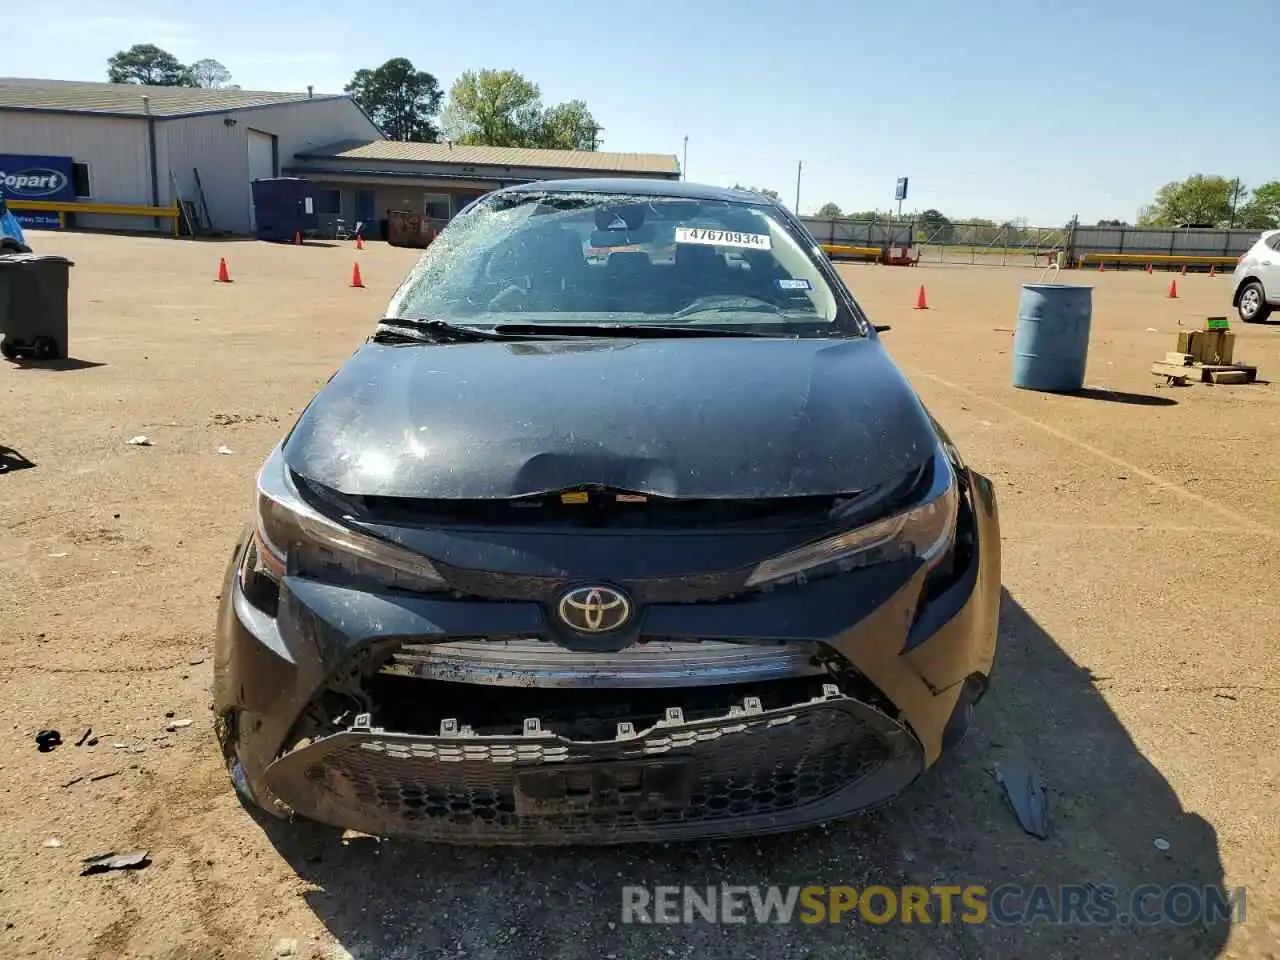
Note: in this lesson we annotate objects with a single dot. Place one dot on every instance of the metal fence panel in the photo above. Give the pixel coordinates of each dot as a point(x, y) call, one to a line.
point(1016, 244)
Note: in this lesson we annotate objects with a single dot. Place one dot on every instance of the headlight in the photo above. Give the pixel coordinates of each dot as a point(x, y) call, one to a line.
point(291, 535)
point(926, 531)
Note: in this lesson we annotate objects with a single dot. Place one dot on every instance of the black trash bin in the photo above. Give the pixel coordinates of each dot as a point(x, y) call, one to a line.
point(33, 305)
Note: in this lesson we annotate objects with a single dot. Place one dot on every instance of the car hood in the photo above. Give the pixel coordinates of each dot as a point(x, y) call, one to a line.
point(697, 418)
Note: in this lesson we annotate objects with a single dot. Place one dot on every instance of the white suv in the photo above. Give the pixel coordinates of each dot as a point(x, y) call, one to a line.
point(1257, 278)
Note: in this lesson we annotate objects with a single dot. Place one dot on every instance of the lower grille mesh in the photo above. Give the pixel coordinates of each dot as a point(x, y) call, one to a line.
point(705, 775)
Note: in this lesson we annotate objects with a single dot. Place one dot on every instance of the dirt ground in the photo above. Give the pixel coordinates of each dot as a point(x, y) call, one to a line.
point(1139, 667)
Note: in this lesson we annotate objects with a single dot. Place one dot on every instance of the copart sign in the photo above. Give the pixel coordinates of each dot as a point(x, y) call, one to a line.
point(27, 177)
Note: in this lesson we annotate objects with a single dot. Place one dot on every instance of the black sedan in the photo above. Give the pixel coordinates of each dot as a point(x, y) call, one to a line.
point(622, 526)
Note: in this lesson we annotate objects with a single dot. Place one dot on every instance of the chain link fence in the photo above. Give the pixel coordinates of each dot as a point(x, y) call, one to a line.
point(1018, 244)
point(974, 242)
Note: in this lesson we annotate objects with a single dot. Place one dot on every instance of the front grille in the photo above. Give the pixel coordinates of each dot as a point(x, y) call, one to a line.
point(750, 771)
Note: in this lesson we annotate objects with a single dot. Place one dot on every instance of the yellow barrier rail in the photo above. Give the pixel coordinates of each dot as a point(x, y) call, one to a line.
point(843, 250)
point(1156, 258)
point(104, 209)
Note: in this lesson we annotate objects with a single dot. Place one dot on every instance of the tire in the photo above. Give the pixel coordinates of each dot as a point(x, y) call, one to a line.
point(45, 348)
point(8, 350)
point(1252, 303)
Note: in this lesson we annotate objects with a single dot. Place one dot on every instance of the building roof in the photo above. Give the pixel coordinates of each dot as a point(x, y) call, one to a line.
point(513, 157)
point(125, 99)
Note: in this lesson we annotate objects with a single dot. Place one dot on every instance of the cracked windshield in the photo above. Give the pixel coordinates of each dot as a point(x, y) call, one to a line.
point(566, 258)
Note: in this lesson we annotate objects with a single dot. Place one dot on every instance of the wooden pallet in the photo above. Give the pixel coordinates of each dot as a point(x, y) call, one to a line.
point(1181, 372)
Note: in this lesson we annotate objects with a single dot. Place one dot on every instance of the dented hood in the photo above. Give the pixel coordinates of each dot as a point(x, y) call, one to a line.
point(701, 418)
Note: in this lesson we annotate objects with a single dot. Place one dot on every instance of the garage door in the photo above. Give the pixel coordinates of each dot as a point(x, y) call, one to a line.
point(262, 163)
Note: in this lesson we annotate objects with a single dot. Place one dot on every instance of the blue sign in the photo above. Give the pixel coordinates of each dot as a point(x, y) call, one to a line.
point(900, 189)
point(38, 220)
point(26, 177)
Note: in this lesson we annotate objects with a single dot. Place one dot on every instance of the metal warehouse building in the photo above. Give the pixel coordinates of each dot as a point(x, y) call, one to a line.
point(88, 154)
point(363, 180)
point(123, 144)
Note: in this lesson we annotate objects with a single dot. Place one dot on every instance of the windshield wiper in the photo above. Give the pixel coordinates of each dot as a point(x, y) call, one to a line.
point(407, 330)
point(639, 330)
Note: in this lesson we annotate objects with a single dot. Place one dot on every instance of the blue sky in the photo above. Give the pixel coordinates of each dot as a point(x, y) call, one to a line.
point(1022, 108)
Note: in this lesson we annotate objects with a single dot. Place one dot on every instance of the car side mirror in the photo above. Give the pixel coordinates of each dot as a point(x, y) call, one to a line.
point(881, 327)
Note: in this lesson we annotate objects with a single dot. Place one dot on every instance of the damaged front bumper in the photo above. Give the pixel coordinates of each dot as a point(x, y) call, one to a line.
point(748, 771)
point(442, 719)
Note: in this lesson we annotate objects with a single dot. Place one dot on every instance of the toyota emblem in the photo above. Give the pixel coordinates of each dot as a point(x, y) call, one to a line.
point(594, 609)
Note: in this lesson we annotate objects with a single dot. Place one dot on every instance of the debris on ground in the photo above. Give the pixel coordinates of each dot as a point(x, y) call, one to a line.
point(1161, 844)
point(139, 441)
point(196, 661)
point(177, 725)
point(1025, 793)
point(52, 842)
point(225, 451)
point(46, 740)
point(84, 737)
point(59, 556)
point(104, 776)
point(104, 862)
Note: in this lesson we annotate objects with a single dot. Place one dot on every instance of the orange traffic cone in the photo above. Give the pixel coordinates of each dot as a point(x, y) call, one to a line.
point(359, 242)
point(1149, 270)
point(921, 302)
point(1173, 289)
point(356, 281)
point(297, 238)
point(223, 275)
point(1184, 269)
point(1213, 270)
point(1101, 268)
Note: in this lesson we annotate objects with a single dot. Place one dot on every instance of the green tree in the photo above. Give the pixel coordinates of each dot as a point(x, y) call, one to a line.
point(496, 108)
point(1199, 200)
point(1262, 212)
point(209, 73)
point(829, 210)
point(402, 100)
point(934, 226)
point(145, 63)
point(568, 126)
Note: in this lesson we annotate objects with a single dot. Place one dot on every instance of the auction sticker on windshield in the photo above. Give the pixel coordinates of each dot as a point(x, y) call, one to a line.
point(722, 238)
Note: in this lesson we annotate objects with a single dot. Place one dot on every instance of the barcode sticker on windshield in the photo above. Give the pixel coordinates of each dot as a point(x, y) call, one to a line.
point(793, 283)
point(722, 238)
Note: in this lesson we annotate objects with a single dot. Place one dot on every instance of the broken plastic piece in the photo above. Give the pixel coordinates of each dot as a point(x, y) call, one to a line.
point(102, 862)
point(1025, 793)
point(139, 441)
point(46, 740)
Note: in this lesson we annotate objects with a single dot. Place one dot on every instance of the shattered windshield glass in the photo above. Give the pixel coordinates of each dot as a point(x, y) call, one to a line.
point(591, 258)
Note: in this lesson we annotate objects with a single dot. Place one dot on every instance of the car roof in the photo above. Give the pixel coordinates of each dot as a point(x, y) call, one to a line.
point(637, 187)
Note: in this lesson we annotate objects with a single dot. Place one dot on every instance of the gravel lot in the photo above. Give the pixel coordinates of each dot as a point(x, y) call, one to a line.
point(1140, 659)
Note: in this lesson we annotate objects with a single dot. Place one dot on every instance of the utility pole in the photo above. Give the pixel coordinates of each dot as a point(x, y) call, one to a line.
point(799, 168)
point(1235, 198)
point(684, 164)
point(595, 137)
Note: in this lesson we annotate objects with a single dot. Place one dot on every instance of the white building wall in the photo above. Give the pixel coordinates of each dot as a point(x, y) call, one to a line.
point(221, 151)
point(221, 154)
point(115, 148)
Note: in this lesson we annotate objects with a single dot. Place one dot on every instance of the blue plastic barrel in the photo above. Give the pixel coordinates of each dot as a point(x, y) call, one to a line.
point(1051, 342)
